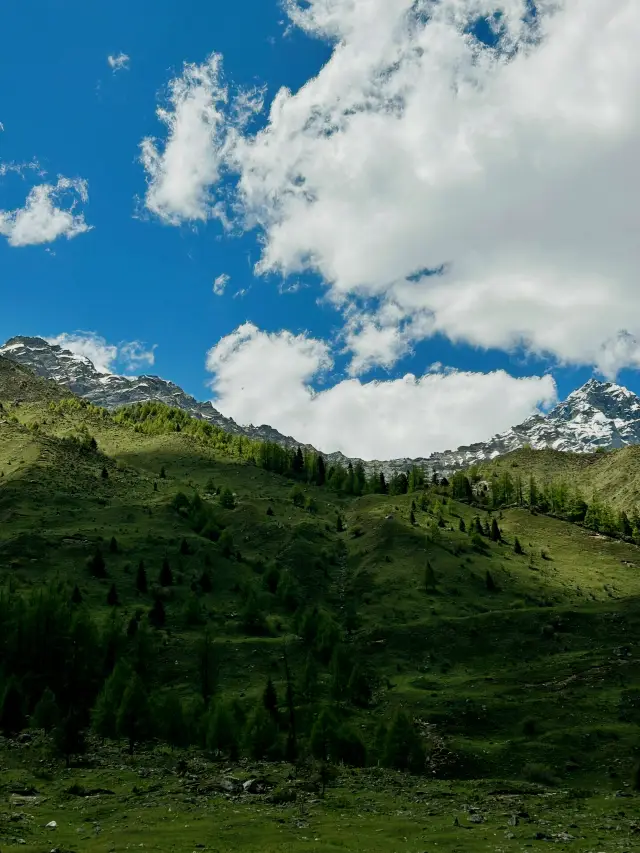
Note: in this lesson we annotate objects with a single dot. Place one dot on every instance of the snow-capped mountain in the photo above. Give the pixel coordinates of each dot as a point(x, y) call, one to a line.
point(78, 374)
point(599, 414)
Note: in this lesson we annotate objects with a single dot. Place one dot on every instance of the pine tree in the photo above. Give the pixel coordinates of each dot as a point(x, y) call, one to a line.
point(112, 596)
point(321, 471)
point(261, 734)
point(105, 710)
point(46, 714)
point(166, 575)
point(227, 500)
point(270, 699)
point(403, 748)
point(496, 536)
point(308, 688)
point(134, 718)
point(462, 527)
point(141, 578)
point(223, 735)
point(269, 510)
point(97, 565)
point(517, 547)
point(339, 524)
point(208, 666)
point(157, 615)
point(163, 473)
point(340, 667)
point(12, 715)
point(184, 548)
point(170, 719)
point(429, 578)
point(76, 595)
point(69, 737)
point(113, 545)
point(412, 517)
point(104, 474)
point(291, 749)
point(489, 581)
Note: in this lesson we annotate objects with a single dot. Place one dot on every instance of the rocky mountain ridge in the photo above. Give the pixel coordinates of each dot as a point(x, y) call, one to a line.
point(597, 415)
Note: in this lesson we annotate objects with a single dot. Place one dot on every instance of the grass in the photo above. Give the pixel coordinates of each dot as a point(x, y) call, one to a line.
point(520, 689)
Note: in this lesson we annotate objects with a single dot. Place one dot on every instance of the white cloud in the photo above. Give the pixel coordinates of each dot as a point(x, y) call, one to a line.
point(118, 62)
point(220, 284)
point(129, 354)
point(416, 146)
point(48, 213)
point(266, 378)
point(182, 172)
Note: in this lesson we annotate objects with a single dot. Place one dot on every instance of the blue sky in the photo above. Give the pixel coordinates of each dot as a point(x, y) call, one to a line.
point(335, 308)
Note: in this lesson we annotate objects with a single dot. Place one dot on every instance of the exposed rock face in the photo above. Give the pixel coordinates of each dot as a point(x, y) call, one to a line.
point(600, 414)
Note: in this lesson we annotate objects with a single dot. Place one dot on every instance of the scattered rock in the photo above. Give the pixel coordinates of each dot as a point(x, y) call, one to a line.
point(514, 820)
point(51, 825)
point(230, 785)
point(476, 818)
point(255, 786)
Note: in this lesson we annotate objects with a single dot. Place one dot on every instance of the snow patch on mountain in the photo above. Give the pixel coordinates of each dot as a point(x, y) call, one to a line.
point(597, 415)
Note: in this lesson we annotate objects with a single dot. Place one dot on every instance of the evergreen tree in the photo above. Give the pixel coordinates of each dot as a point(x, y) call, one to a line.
point(104, 474)
point(309, 682)
point(339, 524)
point(383, 484)
point(403, 748)
point(141, 578)
point(429, 578)
point(496, 536)
point(46, 714)
point(321, 471)
point(489, 581)
point(166, 575)
point(298, 462)
point(311, 505)
point(517, 547)
point(76, 595)
point(163, 473)
point(261, 734)
point(170, 720)
point(208, 666)
point(412, 517)
point(359, 688)
point(227, 500)
point(105, 711)
point(625, 525)
point(297, 496)
point(69, 736)
point(112, 596)
point(462, 526)
point(270, 699)
point(322, 740)
point(157, 615)
point(269, 510)
point(184, 548)
point(340, 668)
point(477, 526)
point(113, 545)
point(97, 565)
point(133, 721)
point(223, 734)
point(12, 712)
point(225, 543)
point(205, 582)
point(291, 749)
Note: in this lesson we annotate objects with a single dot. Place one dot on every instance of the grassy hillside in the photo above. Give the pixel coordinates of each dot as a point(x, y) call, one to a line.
point(614, 475)
point(500, 680)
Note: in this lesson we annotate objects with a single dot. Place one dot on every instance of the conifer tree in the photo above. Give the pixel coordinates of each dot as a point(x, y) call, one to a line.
point(163, 473)
point(69, 736)
point(104, 474)
point(133, 721)
point(517, 547)
point(12, 710)
point(321, 471)
point(403, 748)
point(269, 510)
point(261, 734)
point(429, 578)
point(112, 596)
point(208, 665)
point(184, 548)
point(141, 578)
point(166, 575)
point(157, 615)
point(223, 735)
point(113, 545)
point(46, 714)
point(97, 565)
point(496, 536)
point(462, 526)
point(227, 500)
point(412, 517)
point(270, 699)
point(76, 595)
point(339, 524)
point(489, 581)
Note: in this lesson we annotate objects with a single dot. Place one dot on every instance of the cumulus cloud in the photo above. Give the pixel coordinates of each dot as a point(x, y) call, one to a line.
point(511, 168)
point(182, 171)
point(48, 213)
point(220, 284)
point(131, 355)
point(261, 377)
point(118, 62)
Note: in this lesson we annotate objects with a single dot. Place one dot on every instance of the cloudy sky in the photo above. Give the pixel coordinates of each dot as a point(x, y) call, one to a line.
point(387, 226)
